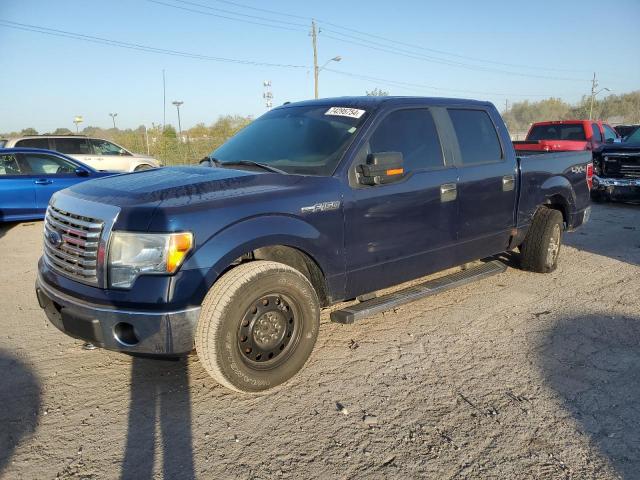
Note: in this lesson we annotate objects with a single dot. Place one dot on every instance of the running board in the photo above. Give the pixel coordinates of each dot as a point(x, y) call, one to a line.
point(409, 294)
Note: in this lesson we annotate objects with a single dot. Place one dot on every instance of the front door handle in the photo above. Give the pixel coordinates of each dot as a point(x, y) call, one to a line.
point(43, 181)
point(508, 183)
point(448, 192)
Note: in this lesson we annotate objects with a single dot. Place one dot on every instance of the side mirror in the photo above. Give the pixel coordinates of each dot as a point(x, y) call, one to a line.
point(81, 172)
point(381, 168)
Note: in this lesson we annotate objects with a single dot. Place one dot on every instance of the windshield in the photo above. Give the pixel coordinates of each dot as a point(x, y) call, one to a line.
point(304, 140)
point(557, 132)
point(634, 137)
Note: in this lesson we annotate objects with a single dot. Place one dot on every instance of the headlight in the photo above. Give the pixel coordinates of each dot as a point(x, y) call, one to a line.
point(134, 254)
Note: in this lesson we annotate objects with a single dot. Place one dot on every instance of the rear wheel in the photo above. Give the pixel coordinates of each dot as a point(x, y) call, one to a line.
point(541, 247)
point(258, 326)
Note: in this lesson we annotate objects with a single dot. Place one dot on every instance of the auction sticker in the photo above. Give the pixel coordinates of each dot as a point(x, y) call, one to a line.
point(345, 112)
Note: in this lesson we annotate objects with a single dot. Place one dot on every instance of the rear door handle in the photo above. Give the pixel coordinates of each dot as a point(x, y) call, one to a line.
point(43, 181)
point(508, 183)
point(448, 192)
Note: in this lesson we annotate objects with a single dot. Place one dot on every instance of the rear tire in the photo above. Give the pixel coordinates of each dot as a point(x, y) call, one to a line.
point(258, 326)
point(541, 247)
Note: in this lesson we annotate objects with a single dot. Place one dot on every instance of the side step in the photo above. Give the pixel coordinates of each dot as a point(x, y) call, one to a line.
point(409, 294)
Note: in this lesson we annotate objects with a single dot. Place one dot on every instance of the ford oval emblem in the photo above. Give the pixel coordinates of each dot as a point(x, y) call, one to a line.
point(54, 238)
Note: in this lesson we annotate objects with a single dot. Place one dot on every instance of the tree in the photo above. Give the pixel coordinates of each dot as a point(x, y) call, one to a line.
point(62, 131)
point(376, 92)
point(169, 132)
point(29, 131)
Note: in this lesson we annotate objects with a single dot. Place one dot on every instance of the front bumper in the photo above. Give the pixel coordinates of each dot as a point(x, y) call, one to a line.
point(617, 188)
point(150, 333)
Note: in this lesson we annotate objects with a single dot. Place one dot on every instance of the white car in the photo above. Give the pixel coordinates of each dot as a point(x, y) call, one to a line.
point(95, 152)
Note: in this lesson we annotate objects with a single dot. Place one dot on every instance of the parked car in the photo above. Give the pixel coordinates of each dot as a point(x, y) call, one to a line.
point(312, 204)
point(565, 136)
point(617, 170)
point(626, 130)
point(97, 153)
point(28, 178)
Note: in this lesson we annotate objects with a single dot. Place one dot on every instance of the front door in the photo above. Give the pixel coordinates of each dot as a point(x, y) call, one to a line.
point(49, 173)
point(403, 230)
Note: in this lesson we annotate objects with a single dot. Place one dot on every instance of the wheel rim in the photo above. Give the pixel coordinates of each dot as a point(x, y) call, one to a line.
point(554, 246)
point(268, 331)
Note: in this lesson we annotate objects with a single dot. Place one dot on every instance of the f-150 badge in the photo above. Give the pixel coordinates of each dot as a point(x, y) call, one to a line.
point(321, 207)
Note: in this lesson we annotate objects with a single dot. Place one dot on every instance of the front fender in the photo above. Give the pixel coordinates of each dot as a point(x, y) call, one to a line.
point(213, 257)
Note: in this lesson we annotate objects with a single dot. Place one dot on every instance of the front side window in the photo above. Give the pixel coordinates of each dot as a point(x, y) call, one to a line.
point(33, 143)
point(609, 133)
point(477, 136)
point(307, 140)
point(103, 147)
point(40, 164)
point(412, 133)
point(9, 165)
point(72, 146)
point(596, 135)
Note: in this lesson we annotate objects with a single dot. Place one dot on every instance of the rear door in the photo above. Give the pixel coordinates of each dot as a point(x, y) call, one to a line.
point(49, 173)
point(403, 230)
point(17, 190)
point(78, 148)
point(486, 186)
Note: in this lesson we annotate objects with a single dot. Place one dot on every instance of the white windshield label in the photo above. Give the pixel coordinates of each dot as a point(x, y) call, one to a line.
point(345, 112)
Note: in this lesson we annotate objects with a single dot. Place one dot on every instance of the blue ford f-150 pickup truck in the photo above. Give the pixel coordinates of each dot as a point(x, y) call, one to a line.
point(312, 204)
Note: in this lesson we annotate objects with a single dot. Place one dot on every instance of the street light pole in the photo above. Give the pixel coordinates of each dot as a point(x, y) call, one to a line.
point(316, 69)
point(113, 117)
point(178, 104)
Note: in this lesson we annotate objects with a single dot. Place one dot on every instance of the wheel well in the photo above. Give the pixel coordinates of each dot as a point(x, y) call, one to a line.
point(294, 258)
point(558, 202)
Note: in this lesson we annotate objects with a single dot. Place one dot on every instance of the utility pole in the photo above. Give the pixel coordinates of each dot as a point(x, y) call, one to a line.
point(164, 101)
point(506, 105)
point(314, 41)
point(594, 85)
point(113, 117)
point(178, 103)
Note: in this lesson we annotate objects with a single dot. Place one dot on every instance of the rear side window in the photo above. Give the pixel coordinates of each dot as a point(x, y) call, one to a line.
point(477, 136)
point(33, 143)
point(413, 133)
point(9, 165)
point(597, 136)
point(71, 146)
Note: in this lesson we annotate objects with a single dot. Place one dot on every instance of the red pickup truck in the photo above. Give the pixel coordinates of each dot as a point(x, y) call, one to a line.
point(565, 136)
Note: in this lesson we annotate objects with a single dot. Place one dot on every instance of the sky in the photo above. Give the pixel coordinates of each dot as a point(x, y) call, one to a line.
point(491, 50)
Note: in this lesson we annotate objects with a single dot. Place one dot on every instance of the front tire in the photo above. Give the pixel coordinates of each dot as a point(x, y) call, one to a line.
point(541, 247)
point(258, 326)
point(143, 167)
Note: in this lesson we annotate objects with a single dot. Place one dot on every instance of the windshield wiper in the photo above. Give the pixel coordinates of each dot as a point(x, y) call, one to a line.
point(251, 163)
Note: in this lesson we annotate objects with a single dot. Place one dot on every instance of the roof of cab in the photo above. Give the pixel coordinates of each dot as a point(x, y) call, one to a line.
point(375, 102)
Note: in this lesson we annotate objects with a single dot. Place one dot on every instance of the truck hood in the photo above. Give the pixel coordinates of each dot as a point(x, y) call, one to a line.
point(139, 194)
point(623, 147)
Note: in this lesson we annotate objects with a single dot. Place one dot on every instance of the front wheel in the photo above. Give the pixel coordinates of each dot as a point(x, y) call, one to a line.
point(142, 167)
point(258, 326)
point(541, 247)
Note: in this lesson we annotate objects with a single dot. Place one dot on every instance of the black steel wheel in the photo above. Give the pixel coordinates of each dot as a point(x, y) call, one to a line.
point(258, 325)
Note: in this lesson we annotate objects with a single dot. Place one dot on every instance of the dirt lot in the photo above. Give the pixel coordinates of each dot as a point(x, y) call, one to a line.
point(518, 376)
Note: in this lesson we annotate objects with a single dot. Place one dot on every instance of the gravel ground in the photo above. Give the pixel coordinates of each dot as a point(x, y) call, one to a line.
point(520, 375)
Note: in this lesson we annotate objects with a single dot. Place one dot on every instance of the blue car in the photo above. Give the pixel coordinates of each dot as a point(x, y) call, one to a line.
point(29, 176)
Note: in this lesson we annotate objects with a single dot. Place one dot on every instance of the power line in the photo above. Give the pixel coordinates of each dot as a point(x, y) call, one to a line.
point(135, 46)
point(193, 10)
point(413, 86)
point(396, 42)
point(417, 56)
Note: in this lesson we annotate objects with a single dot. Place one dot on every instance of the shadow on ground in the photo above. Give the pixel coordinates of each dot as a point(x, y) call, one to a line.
point(593, 362)
point(613, 231)
point(6, 226)
point(160, 401)
point(19, 405)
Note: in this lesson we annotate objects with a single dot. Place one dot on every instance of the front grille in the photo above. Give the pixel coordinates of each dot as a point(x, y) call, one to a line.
point(71, 244)
point(625, 166)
